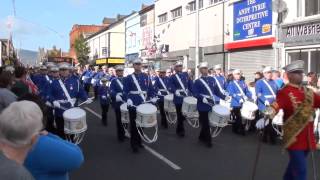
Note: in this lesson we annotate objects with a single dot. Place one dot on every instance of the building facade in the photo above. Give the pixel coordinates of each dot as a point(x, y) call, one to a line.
point(300, 34)
point(251, 27)
point(107, 46)
point(132, 37)
point(85, 30)
point(175, 31)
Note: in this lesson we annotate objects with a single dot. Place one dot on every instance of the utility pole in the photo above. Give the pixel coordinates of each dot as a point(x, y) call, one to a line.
point(197, 39)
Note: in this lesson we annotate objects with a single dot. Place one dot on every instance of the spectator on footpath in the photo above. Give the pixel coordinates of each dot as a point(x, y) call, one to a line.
point(276, 76)
point(257, 76)
point(19, 87)
point(20, 124)
point(51, 158)
point(6, 96)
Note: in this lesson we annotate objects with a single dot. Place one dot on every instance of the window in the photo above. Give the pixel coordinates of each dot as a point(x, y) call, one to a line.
point(215, 1)
point(192, 6)
point(176, 12)
point(312, 7)
point(163, 18)
point(200, 4)
point(143, 20)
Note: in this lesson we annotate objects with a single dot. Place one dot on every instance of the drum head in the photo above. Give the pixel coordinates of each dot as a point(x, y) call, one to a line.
point(124, 107)
point(221, 110)
point(190, 100)
point(74, 114)
point(168, 97)
point(250, 105)
point(146, 109)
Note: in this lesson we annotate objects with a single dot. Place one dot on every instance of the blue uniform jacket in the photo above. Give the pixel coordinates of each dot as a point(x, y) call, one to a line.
point(200, 92)
point(115, 89)
point(104, 95)
point(130, 88)
point(235, 93)
point(86, 76)
point(175, 85)
point(42, 84)
point(223, 84)
point(56, 93)
point(159, 87)
point(96, 76)
point(264, 94)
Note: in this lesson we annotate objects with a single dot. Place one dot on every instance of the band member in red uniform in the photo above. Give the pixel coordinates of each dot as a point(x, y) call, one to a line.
point(298, 104)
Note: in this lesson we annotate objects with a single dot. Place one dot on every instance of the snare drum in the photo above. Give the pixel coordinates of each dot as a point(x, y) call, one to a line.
point(124, 113)
point(248, 110)
point(219, 116)
point(74, 121)
point(278, 119)
point(189, 107)
point(146, 115)
point(169, 104)
point(226, 104)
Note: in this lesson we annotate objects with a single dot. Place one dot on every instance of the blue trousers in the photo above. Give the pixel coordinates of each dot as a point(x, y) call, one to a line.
point(297, 167)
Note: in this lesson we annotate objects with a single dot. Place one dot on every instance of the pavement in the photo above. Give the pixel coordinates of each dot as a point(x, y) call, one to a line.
point(232, 157)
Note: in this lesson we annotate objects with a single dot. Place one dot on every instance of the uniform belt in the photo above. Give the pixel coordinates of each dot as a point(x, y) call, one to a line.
point(206, 96)
point(137, 92)
point(268, 96)
point(163, 90)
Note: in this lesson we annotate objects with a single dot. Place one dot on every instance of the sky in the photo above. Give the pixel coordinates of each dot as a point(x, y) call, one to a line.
point(44, 23)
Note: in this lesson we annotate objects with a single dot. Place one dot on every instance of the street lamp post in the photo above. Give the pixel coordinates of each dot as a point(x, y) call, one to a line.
point(197, 39)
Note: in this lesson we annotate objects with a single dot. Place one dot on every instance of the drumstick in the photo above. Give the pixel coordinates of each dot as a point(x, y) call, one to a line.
point(89, 99)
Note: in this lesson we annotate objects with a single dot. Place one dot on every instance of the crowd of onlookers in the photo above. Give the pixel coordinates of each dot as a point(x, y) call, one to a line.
point(27, 150)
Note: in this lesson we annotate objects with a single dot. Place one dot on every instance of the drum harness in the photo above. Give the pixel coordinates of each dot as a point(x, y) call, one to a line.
point(66, 93)
point(216, 131)
point(171, 118)
point(139, 129)
point(181, 85)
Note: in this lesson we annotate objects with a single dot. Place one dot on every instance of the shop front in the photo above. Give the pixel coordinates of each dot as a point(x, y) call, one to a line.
point(110, 61)
point(302, 42)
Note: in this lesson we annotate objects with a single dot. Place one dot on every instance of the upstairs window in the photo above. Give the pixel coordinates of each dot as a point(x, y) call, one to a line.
point(215, 1)
point(163, 18)
point(312, 7)
point(176, 13)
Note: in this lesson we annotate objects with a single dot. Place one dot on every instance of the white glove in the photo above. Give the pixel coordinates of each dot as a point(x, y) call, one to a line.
point(48, 104)
point(73, 101)
point(245, 98)
point(118, 98)
point(154, 100)
point(204, 100)
point(159, 93)
point(241, 101)
point(89, 101)
point(129, 102)
point(227, 98)
point(56, 104)
point(177, 93)
point(104, 97)
point(266, 103)
point(260, 124)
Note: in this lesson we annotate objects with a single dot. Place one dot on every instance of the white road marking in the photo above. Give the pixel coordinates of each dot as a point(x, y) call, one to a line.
point(149, 149)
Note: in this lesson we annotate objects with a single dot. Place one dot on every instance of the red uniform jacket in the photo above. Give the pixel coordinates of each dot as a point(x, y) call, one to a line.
point(285, 98)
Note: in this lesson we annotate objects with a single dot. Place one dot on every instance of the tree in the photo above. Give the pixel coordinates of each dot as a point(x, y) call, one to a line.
point(82, 50)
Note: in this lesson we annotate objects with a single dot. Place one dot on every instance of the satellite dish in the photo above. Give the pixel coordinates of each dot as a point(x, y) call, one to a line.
point(279, 6)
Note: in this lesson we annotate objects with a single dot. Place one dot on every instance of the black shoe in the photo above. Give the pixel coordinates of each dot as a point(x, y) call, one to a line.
point(181, 134)
point(104, 123)
point(135, 150)
point(209, 144)
point(141, 146)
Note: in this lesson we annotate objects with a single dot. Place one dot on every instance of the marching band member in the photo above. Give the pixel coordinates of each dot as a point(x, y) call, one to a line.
point(63, 94)
point(53, 74)
point(266, 90)
point(42, 81)
point(86, 78)
point(95, 80)
point(239, 92)
point(298, 104)
point(104, 97)
point(204, 89)
point(220, 81)
point(116, 93)
point(180, 86)
point(161, 83)
point(138, 88)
